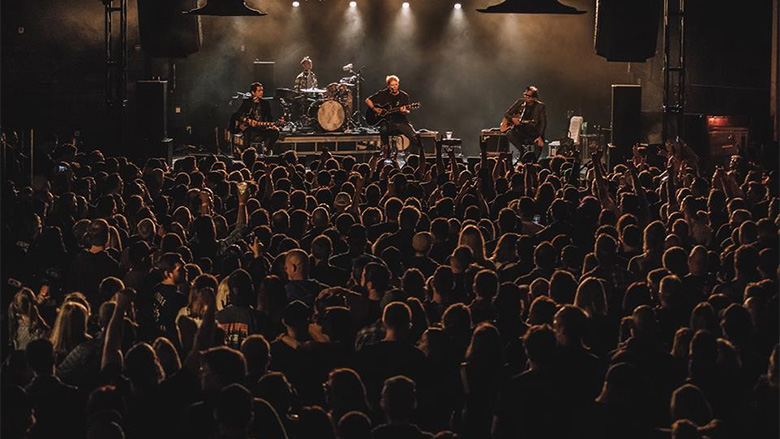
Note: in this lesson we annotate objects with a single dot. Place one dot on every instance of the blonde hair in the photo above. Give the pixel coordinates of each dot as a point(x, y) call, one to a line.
point(391, 78)
point(223, 294)
point(70, 328)
point(591, 297)
point(472, 238)
point(114, 239)
point(25, 305)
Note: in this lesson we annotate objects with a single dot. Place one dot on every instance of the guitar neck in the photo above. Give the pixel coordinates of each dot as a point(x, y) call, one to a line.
point(256, 123)
point(401, 108)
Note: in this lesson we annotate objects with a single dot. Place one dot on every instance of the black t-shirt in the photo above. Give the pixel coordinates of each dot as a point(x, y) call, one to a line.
point(385, 99)
point(378, 362)
point(240, 322)
point(260, 111)
point(88, 270)
point(166, 303)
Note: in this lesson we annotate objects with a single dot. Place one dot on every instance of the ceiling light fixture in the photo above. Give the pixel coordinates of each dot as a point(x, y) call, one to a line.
point(531, 7)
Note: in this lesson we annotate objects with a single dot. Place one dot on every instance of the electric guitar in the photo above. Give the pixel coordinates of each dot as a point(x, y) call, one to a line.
point(240, 124)
point(373, 119)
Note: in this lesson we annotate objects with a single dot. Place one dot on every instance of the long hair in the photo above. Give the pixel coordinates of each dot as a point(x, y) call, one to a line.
point(70, 328)
point(591, 297)
point(486, 347)
point(25, 305)
point(346, 392)
point(472, 238)
point(506, 249)
point(196, 303)
point(142, 366)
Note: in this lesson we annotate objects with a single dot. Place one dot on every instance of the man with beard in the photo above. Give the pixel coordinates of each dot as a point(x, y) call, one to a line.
point(166, 300)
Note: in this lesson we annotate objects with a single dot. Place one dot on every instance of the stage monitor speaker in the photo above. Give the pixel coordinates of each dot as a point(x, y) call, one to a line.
point(626, 121)
point(263, 72)
point(626, 31)
point(151, 112)
point(165, 32)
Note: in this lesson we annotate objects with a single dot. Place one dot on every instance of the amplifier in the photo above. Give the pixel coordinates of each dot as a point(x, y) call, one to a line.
point(428, 139)
point(496, 141)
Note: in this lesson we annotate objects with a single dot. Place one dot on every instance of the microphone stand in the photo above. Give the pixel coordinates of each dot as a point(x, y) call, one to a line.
point(357, 116)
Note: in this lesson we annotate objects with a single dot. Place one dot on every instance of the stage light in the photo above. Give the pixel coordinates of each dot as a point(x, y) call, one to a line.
point(353, 4)
point(295, 4)
point(405, 5)
point(457, 6)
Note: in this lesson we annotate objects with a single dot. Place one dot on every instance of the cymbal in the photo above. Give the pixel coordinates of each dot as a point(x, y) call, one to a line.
point(347, 84)
point(287, 93)
point(313, 90)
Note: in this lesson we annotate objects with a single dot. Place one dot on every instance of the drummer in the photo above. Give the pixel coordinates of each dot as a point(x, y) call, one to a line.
point(306, 79)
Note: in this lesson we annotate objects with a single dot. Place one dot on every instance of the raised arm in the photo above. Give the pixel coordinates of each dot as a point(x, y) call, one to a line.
point(439, 160)
point(509, 170)
point(241, 219)
point(355, 207)
point(671, 189)
point(112, 345)
point(205, 335)
point(574, 175)
point(639, 190)
point(601, 188)
point(420, 171)
point(453, 166)
point(296, 179)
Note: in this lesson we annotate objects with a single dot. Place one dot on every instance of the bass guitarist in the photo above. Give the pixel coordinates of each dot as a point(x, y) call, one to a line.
point(392, 103)
point(255, 119)
point(525, 121)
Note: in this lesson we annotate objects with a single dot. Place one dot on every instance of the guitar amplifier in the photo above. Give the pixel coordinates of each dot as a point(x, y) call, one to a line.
point(496, 141)
point(428, 139)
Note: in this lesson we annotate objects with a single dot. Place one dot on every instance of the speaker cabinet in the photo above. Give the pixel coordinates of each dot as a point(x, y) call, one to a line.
point(165, 32)
point(627, 30)
point(263, 72)
point(626, 121)
point(151, 112)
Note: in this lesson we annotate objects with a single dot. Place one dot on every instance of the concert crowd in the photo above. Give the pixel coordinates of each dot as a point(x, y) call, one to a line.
point(277, 297)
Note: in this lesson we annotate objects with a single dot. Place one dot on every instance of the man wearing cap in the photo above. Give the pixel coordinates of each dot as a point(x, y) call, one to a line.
point(307, 78)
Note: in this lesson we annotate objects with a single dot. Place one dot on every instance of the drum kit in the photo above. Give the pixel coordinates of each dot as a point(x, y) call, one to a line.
point(321, 109)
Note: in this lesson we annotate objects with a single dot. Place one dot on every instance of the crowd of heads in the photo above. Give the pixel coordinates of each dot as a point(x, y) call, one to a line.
point(330, 298)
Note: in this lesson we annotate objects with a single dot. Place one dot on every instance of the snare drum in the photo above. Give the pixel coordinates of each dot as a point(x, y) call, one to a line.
point(330, 114)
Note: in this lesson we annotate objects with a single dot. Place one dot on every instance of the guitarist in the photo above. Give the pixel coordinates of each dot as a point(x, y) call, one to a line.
point(396, 122)
point(254, 108)
point(525, 121)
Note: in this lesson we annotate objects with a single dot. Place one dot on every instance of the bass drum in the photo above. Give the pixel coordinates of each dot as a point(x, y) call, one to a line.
point(330, 114)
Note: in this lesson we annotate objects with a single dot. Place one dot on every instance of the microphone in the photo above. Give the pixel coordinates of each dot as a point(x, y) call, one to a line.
point(347, 67)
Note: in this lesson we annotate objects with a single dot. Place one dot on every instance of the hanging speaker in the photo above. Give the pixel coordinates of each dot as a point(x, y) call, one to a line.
point(165, 32)
point(627, 31)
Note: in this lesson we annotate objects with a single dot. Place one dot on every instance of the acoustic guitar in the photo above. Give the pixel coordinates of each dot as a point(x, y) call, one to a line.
point(374, 119)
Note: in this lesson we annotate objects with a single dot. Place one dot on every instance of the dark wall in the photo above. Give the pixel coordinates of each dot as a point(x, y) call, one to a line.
point(465, 67)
